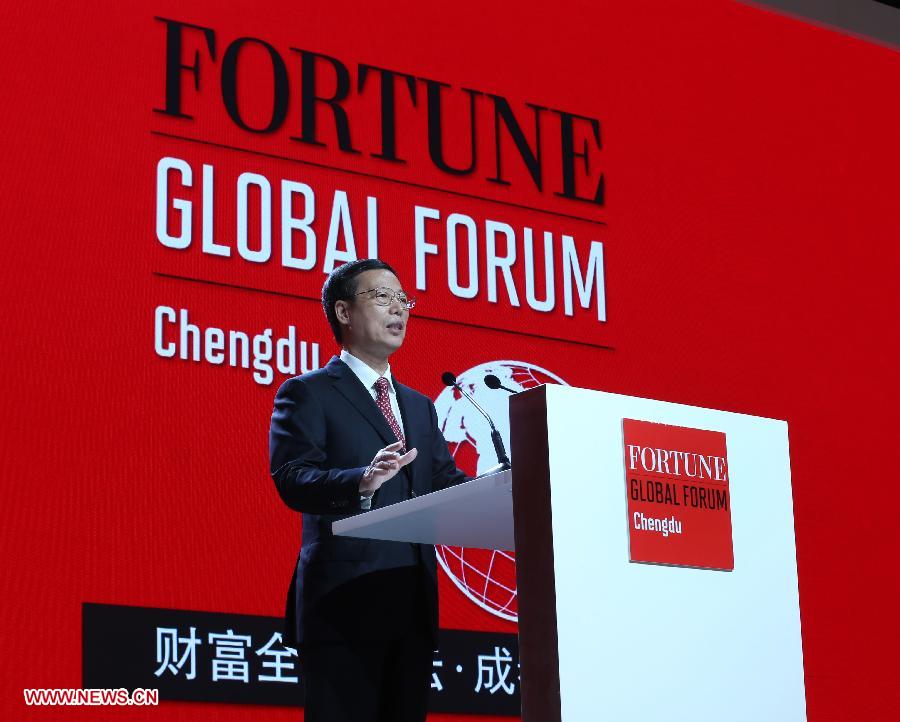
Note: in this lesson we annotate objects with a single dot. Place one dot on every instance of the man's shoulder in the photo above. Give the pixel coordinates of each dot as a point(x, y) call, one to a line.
point(411, 393)
point(310, 381)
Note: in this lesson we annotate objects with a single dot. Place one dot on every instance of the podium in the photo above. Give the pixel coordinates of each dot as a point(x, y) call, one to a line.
point(655, 554)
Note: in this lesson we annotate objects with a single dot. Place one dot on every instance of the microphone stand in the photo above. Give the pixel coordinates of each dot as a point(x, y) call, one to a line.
point(450, 380)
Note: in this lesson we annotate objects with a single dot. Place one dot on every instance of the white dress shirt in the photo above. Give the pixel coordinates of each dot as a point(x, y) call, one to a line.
point(369, 376)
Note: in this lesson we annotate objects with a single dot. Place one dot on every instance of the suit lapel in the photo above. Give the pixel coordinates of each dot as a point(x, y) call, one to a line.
point(349, 385)
point(412, 426)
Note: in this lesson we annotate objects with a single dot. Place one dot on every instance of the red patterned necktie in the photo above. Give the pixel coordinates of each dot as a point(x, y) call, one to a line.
point(384, 403)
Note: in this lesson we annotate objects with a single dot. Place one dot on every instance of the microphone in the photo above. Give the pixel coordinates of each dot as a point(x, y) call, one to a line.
point(449, 379)
point(492, 382)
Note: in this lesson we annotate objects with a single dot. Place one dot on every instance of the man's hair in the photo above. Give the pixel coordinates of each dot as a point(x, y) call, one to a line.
point(341, 285)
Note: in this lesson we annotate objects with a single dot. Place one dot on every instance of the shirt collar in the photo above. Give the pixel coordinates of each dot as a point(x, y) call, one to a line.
point(366, 373)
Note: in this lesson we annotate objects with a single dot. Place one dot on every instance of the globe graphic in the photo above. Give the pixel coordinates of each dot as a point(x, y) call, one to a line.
point(487, 577)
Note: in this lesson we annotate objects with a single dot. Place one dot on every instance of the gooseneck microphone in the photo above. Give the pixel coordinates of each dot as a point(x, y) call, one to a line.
point(492, 382)
point(449, 379)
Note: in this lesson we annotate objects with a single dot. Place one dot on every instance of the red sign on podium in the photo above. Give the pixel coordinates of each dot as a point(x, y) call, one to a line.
point(679, 505)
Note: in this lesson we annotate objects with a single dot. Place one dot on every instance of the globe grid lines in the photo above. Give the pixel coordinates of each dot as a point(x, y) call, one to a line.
point(487, 575)
point(482, 600)
point(487, 567)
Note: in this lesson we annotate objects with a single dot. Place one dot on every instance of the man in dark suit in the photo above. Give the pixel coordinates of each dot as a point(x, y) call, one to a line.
point(344, 439)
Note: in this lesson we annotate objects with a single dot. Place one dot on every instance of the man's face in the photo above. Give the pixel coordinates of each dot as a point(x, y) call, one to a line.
point(367, 326)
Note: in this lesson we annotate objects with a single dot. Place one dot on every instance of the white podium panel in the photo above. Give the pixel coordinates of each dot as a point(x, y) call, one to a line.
point(647, 642)
point(477, 514)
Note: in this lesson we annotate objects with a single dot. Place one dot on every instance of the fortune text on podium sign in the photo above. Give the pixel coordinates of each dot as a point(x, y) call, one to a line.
point(679, 504)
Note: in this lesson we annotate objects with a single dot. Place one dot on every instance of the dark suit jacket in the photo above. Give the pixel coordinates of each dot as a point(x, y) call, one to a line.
point(325, 430)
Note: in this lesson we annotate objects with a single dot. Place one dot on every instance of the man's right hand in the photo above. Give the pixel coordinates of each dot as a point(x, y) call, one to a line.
point(384, 467)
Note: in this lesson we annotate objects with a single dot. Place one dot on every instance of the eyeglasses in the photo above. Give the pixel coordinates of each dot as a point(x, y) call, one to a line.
point(385, 297)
